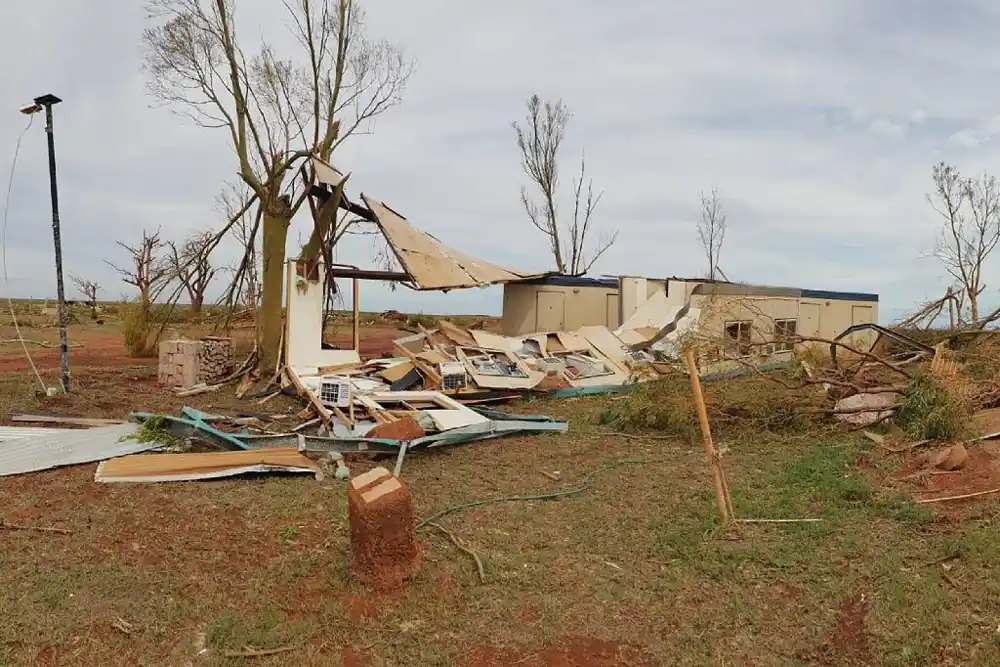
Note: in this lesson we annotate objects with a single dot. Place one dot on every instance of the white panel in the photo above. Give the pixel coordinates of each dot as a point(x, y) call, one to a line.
point(41, 452)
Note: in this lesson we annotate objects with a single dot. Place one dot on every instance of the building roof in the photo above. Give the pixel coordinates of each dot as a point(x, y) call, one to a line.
point(571, 281)
point(431, 264)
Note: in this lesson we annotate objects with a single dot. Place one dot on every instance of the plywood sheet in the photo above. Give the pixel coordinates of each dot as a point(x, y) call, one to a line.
point(184, 467)
point(492, 341)
point(431, 264)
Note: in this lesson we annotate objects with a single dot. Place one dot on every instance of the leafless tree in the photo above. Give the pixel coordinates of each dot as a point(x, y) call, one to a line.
point(89, 290)
point(539, 139)
point(190, 263)
point(278, 111)
point(712, 229)
point(970, 208)
point(245, 288)
point(147, 270)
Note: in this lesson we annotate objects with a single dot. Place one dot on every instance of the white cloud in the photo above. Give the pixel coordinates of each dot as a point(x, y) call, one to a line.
point(967, 138)
point(883, 127)
point(786, 108)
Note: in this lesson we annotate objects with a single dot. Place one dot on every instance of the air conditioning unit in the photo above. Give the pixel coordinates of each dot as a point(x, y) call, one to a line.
point(453, 375)
point(335, 390)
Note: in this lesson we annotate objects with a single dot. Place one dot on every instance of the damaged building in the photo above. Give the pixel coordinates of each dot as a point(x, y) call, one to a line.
point(745, 319)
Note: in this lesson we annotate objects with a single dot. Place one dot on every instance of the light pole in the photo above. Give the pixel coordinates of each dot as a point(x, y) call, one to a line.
point(46, 102)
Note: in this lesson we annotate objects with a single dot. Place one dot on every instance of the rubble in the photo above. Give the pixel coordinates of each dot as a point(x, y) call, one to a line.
point(188, 363)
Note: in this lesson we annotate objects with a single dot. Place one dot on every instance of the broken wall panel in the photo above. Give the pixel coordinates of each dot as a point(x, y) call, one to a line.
point(524, 378)
point(304, 351)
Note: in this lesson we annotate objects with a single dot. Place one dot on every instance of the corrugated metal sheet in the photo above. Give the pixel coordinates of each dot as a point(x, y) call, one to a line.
point(43, 451)
point(431, 264)
point(16, 432)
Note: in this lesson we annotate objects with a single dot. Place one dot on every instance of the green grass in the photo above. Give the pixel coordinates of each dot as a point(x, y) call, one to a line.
point(638, 559)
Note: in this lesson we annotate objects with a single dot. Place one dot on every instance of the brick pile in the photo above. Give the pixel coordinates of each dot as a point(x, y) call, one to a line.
point(215, 359)
point(384, 548)
point(184, 363)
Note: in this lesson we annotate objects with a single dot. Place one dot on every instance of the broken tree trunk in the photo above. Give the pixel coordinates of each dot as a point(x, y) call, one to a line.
point(276, 220)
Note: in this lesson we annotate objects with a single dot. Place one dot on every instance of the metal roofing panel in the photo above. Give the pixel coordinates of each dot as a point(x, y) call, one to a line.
point(431, 264)
point(44, 451)
point(16, 432)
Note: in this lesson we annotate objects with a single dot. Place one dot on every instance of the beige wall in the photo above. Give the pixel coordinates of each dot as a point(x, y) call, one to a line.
point(819, 318)
point(580, 306)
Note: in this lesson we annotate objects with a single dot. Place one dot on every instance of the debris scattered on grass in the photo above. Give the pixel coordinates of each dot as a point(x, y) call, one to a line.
point(964, 496)
point(259, 652)
point(122, 625)
point(40, 529)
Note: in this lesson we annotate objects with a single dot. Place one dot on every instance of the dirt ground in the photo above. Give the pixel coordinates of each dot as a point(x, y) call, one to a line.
point(631, 570)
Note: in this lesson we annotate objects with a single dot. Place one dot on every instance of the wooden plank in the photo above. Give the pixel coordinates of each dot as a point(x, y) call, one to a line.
point(73, 421)
point(432, 376)
point(325, 414)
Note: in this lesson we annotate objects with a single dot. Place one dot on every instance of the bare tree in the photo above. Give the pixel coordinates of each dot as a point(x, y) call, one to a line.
point(89, 290)
point(712, 229)
point(970, 208)
point(190, 263)
point(147, 271)
point(277, 111)
point(245, 288)
point(539, 139)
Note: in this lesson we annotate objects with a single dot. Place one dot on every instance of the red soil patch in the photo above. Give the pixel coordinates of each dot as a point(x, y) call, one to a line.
point(570, 652)
point(99, 349)
point(351, 657)
point(850, 643)
point(358, 608)
point(981, 473)
point(375, 341)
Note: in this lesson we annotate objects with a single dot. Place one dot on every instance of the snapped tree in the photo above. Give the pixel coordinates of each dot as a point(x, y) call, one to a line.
point(277, 111)
point(190, 264)
point(539, 138)
point(712, 230)
point(146, 271)
point(970, 209)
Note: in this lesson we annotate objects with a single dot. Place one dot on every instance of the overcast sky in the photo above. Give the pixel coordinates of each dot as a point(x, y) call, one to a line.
point(819, 122)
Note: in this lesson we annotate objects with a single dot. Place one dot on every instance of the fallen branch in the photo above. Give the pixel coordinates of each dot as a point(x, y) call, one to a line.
point(458, 543)
point(257, 653)
point(38, 529)
point(927, 501)
point(778, 520)
point(39, 343)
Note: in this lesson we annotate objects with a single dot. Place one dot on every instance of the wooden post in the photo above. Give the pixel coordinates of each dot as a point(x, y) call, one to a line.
point(357, 318)
point(706, 433)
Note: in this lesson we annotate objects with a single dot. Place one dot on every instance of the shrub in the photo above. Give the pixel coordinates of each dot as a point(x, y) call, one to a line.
point(138, 328)
point(930, 411)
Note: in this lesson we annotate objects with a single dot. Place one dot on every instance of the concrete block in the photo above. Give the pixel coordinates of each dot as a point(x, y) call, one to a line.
point(384, 550)
point(373, 476)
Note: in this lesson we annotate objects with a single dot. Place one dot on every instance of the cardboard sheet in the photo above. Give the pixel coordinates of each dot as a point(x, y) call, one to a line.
point(211, 465)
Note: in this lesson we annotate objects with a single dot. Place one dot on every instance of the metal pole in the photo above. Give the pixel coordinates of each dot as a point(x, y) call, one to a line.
point(57, 240)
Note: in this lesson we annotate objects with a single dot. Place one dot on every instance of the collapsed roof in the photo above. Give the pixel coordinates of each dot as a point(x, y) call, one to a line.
point(431, 264)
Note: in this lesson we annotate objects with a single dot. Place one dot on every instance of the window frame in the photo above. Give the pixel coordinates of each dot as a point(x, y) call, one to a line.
point(735, 347)
point(782, 335)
